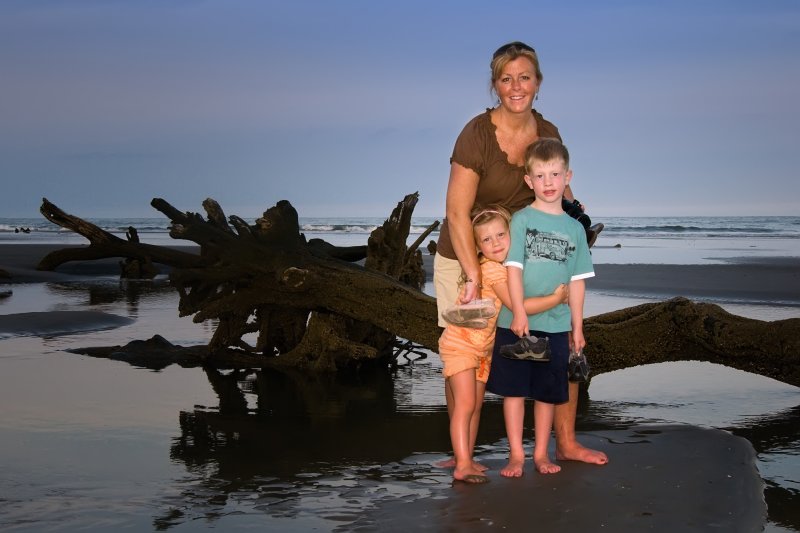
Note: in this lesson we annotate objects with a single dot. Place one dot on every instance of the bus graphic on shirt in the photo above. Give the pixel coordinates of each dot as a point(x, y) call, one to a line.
point(546, 246)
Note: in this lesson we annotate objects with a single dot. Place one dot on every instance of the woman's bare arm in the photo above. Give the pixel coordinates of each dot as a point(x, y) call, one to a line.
point(461, 191)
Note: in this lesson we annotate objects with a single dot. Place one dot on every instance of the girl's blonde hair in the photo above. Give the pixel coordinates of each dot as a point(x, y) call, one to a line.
point(483, 215)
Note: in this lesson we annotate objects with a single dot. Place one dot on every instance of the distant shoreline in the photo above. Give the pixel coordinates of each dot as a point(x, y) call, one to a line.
point(760, 279)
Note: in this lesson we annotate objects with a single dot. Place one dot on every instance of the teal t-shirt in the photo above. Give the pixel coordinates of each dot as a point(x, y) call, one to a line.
point(550, 250)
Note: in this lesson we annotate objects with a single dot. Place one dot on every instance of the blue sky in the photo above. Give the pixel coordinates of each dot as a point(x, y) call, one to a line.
point(342, 108)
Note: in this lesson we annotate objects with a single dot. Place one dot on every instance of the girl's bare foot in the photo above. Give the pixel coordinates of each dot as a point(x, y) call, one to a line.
point(577, 452)
point(470, 475)
point(514, 468)
point(450, 462)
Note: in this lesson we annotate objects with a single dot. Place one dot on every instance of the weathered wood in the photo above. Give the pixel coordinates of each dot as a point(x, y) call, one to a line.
point(269, 282)
point(675, 330)
point(310, 310)
point(682, 330)
point(103, 244)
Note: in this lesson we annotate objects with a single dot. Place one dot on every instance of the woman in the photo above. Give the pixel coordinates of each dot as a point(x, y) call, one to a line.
point(487, 167)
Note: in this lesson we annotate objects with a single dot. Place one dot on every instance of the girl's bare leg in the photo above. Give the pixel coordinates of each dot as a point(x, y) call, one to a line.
point(450, 462)
point(480, 392)
point(463, 386)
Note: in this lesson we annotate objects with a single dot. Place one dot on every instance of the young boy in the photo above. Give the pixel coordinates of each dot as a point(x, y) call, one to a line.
point(547, 248)
point(466, 351)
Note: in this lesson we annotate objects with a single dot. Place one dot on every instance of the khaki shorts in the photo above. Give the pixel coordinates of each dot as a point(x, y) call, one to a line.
point(446, 273)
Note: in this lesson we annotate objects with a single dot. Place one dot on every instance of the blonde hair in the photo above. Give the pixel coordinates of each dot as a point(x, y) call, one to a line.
point(483, 215)
point(509, 52)
point(544, 150)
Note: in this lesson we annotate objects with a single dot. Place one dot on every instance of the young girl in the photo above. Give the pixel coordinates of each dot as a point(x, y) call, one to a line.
point(466, 352)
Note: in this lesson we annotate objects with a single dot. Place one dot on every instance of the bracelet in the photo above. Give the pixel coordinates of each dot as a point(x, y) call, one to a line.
point(468, 280)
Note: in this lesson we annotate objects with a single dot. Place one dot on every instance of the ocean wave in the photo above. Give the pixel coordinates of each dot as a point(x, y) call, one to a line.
point(634, 227)
point(719, 230)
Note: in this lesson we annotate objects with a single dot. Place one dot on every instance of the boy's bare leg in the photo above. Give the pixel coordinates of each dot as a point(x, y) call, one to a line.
point(543, 425)
point(567, 446)
point(514, 414)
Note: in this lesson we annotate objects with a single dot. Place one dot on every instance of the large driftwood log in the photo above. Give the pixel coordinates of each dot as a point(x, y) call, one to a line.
point(308, 308)
point(299, 299)
point(674, 330)
point(682, 330)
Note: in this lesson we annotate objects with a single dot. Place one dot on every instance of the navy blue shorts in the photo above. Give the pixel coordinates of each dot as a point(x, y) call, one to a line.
point(545, 382)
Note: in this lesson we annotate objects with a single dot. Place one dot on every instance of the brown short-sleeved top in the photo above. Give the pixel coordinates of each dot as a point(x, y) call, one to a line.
point(500, 182)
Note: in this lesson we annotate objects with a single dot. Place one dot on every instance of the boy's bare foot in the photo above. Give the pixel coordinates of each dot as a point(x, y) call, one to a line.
point(577, 452)
point(514, 468)
point(544, 466)
point(469, 475)
point(479, 467)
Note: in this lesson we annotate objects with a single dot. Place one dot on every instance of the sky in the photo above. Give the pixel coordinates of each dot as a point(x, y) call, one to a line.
point(684, 107)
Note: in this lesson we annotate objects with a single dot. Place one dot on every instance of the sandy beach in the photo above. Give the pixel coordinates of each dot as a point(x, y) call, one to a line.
point(661, 478)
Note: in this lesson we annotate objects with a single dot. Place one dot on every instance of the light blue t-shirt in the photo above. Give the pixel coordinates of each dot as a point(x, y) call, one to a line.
point(550, 250)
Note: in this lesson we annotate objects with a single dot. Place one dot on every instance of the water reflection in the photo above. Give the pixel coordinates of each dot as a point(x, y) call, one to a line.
point(105, 293)
point(310, 447)
point(776, 439)
point(320, 451)
point(296, 452)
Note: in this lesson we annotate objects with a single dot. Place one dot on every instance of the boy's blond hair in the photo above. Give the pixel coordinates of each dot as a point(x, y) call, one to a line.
point(545, 149)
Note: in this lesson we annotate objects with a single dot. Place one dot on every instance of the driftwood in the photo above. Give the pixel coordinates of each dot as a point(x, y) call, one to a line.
point(682, 330)
point(299, 299)
point(103, 244)
point(281, 301)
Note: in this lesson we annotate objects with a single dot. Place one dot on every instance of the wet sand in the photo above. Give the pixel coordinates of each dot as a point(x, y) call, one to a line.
point(661, 478)
point(765, 279)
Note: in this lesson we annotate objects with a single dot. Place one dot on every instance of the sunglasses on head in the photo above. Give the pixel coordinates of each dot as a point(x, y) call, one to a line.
point(519, 45)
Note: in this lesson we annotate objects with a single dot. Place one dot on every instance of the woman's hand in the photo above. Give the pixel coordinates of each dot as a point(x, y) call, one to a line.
point(471, 291)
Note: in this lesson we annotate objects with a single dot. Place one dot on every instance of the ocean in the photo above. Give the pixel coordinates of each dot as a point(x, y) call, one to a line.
point(93, 445)
point(686, 240)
